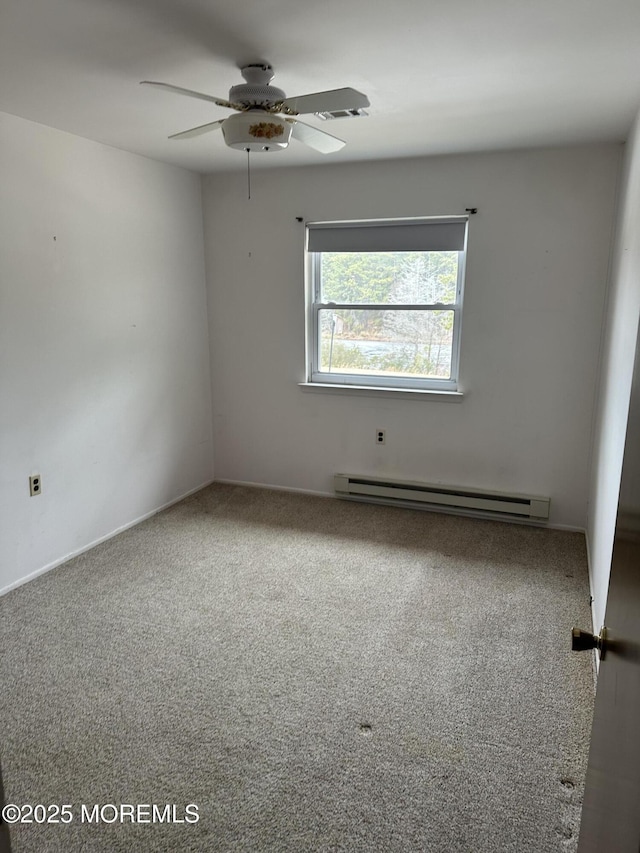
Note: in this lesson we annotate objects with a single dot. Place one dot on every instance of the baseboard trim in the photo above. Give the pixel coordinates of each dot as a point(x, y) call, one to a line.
point(249, 484)
point(49, 566)
point(570, 528)
point(484, 517)
point(273, 488)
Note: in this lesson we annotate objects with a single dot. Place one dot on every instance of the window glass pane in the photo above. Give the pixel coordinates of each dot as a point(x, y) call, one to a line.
point(387, 278)
point(415, 344)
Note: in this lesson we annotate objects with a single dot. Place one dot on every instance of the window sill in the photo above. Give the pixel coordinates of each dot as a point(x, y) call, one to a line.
point(370, 390)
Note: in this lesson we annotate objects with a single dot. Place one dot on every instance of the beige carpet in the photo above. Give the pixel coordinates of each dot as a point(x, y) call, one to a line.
point(314, 675)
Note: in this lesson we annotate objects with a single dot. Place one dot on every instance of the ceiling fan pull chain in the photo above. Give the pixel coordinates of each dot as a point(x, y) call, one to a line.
point(248, 173)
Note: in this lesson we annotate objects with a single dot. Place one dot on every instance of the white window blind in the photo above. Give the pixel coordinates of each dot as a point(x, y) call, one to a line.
point(394, 236)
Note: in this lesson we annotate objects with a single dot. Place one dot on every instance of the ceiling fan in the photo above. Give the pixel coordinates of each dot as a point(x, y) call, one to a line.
point(264, 119)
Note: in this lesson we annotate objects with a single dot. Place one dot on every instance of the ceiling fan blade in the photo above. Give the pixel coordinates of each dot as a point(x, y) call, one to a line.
point(319, 102)
point(196, 131)
point(317, 139)
point(221, 102)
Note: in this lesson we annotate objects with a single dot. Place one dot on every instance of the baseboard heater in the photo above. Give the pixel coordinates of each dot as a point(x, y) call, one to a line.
point(446, 498)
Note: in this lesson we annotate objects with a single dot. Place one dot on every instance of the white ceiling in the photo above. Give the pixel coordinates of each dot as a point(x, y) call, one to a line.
point(442, 75)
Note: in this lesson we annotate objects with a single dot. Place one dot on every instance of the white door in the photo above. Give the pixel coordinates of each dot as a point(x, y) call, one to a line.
point(611, 810)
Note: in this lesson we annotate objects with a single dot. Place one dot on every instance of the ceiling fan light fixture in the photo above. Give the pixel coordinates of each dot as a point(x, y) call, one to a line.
point(256, 130)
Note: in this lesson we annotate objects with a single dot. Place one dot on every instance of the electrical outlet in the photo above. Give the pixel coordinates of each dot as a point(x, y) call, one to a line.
point(380, 436)
point(35, 484)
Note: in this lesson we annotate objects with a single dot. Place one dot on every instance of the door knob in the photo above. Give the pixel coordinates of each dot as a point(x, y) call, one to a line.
point(583, 640)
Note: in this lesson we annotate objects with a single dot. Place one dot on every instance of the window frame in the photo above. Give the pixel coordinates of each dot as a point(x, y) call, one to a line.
point(315, 376)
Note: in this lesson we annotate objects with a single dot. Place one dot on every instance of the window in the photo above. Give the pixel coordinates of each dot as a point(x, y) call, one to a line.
point(385, 304)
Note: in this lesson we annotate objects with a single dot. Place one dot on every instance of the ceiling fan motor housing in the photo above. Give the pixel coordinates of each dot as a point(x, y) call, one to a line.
point(256, 92)
point(256, 130)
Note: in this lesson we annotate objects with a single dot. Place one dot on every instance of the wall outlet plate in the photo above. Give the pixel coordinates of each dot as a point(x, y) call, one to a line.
point(380, 436)
point(35, 484)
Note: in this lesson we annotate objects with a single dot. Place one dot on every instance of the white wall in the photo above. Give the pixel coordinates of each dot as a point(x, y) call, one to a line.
point(104, 359)
point(620, 336)
point(535, 290)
